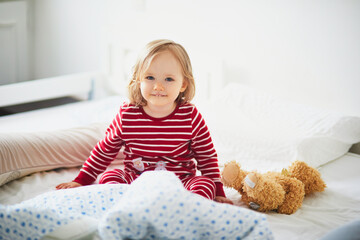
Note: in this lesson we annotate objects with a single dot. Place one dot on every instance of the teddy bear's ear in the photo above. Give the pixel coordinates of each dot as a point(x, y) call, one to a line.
point(285, 172)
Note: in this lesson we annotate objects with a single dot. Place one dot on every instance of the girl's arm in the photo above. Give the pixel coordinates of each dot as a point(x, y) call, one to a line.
point(102, 154)
point(205, 153)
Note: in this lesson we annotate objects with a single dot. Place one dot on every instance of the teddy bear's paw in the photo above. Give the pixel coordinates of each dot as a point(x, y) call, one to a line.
point(254, 206)
point(251, 180)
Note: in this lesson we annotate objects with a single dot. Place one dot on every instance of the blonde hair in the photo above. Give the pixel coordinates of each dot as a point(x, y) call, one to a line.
point(143, 63)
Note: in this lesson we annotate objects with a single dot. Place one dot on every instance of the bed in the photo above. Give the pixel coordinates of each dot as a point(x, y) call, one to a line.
point(42, 148)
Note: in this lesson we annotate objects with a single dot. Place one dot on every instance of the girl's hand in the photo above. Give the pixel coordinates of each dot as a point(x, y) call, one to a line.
point(68, 185)
point(220, 199)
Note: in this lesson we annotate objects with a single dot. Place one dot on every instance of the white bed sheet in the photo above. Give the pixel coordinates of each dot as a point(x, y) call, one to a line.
point(320, 213)
point(325, 211)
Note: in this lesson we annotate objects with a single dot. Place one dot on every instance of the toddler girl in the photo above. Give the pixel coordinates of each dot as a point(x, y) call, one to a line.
point(159, 128)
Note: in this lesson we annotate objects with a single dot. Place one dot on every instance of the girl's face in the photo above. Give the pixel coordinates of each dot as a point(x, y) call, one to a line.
point(162, 82)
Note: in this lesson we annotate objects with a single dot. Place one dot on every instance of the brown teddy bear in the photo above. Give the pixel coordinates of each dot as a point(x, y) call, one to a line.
point(283, 192)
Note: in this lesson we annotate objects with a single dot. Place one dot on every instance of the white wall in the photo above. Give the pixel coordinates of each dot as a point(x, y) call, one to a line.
point(304, 50)
point(307, 51)
point(66, 37)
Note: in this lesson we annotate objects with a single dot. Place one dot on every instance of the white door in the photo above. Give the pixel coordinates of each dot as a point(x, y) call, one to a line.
point(13, 42)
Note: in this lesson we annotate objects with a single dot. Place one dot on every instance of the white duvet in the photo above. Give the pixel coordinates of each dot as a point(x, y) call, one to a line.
point(155, 206)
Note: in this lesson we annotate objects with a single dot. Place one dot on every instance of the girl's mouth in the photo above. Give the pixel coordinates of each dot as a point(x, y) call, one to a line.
point(158, 95)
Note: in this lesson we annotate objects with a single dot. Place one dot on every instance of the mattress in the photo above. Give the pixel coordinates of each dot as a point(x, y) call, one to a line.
point(320, 213)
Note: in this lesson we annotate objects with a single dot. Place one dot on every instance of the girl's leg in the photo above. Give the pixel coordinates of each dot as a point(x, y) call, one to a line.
point(117, 176)
point(201, 185)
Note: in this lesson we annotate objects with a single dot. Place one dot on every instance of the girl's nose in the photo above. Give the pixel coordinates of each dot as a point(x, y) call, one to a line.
point(158, 86)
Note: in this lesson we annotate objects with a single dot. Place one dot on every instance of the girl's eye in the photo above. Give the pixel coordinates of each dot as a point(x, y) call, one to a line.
point(169, 79)
point(149, 78)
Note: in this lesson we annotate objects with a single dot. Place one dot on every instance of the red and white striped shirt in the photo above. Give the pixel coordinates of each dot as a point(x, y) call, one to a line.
point(180, 143)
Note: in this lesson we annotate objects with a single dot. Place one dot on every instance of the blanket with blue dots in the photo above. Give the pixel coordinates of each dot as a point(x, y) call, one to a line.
point(154, 206)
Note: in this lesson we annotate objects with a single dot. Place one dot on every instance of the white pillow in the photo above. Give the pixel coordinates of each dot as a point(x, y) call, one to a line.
point(25, 153)
point(267, 133)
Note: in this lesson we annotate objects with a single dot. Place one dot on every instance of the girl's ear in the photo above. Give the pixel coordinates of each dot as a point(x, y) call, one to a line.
point(184, 85)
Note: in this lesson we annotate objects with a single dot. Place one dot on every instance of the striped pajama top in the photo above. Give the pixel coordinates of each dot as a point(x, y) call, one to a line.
point(180, 143)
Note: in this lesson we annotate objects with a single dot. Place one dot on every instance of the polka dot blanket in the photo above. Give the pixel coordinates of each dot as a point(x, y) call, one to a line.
point(154, 206)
